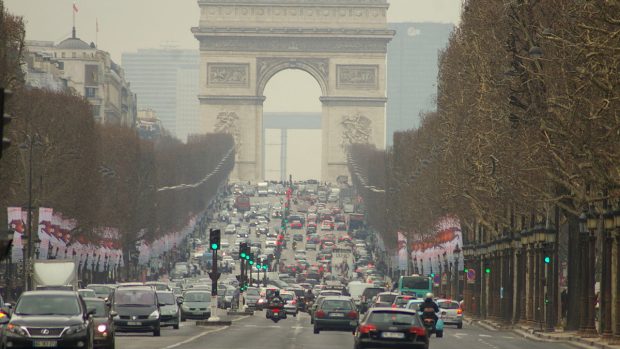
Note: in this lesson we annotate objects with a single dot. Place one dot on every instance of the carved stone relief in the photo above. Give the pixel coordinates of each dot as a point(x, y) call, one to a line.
point(357, 128)
point(258, 44)
point(357, 76)
point(227, 122)
point(228, 74)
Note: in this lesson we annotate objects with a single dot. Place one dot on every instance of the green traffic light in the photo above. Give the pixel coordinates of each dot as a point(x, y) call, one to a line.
point(432, 275)
point(243, 255)
point(547, 259)
point(214, 246)
point(265, 267)
point(251, 262)
point(487, 270)
point(466, 270)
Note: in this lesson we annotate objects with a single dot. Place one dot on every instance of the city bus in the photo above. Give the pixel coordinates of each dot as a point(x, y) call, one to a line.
point(242, 203)
point(415, 285)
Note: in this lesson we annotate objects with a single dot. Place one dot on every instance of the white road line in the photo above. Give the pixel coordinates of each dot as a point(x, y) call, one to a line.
point(508, 337)
point(194, 338)
point(485, 336)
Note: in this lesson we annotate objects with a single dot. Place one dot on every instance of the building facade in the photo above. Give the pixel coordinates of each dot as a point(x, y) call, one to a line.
point(166, 80)
point(413, 58)
point(73, 64)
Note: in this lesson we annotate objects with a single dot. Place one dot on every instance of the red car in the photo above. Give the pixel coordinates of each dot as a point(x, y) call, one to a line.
point(344, 238)
point(296, 225)
point(327, 225)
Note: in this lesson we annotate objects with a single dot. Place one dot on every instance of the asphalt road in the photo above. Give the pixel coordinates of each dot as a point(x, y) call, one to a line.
point(256, 332)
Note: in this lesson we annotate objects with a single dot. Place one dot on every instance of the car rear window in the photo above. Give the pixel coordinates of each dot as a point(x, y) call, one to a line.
point(287, 296)
point(336, 305)
point(393, 318)
point(370, 292)
point(387, 298)
point(448, 305)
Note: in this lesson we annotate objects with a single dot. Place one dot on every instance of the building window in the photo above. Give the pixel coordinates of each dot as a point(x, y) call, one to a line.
point(96, 110)
point(90, 92)
point(63, 55)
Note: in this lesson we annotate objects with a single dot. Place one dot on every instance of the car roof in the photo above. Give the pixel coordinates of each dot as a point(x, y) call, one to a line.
point(392, 310)
point(93, 299)
point(337, 298)
point(136, 288)
point(50, 293)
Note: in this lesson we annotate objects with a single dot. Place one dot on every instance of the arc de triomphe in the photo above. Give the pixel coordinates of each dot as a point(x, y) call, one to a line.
point(341, 43)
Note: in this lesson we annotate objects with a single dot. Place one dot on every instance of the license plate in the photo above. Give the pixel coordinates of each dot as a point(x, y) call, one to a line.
point(336, 315)
point(392, 335)
point(134, 323)
point(45, 344)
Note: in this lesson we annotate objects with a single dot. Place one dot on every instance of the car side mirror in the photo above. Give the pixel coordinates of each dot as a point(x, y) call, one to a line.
point(180, 300)
point(113, 313)
point(8, 305)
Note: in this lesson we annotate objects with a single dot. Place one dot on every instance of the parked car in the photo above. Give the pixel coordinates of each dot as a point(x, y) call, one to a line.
point(394, 328)
point(170, 312)
point(138, 310)
point(104, 324)
point(196, 305)
point(50, 319)
point(336, 313)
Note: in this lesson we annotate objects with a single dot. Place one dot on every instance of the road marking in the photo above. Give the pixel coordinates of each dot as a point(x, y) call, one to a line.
point(194, 338)
point(485, 336)
point(508, 337)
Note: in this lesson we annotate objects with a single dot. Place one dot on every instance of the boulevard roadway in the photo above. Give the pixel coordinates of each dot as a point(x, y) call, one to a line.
point(257, 332)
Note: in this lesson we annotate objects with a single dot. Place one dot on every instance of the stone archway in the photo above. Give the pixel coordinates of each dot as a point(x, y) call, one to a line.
point(341, 43)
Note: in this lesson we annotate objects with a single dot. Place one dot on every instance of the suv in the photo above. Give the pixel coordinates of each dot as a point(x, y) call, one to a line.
point(50, 319)
point(138, 310)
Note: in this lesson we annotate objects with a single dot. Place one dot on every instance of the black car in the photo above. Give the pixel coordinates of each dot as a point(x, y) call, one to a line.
point(137, 309)
point(104, 325)
point(50, 319)
point(391, 328)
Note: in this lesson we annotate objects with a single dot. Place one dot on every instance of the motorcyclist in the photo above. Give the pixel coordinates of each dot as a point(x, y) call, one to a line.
point(275, 301)
point(294, 245)
point(429, 308)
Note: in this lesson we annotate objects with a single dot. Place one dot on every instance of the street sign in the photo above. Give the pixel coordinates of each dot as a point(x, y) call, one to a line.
point(437, 279)
point(471, 276)
point(444, 279)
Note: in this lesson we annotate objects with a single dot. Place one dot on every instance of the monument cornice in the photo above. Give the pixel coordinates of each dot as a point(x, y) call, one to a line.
point(318, 32)
point(344, 101)
point(231, 100)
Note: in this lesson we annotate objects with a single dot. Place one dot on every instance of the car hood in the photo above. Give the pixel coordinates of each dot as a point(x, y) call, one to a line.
point(252, 297)
point(46, 321)
point(170, 308)
point(128, 311)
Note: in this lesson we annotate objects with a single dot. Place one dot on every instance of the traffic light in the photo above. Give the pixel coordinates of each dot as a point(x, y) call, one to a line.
point(466, 270)
point(547, 259)
point(251, 259)
point(431, 275)
point(214, 239)
point(487, 270)
point(242, 250)
point(6, 119)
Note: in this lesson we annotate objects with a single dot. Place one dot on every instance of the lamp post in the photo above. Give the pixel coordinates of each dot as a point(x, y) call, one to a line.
point(589, 223)
point(606, 292)
point(456, 253)
point(28, 145)
point(616, 332)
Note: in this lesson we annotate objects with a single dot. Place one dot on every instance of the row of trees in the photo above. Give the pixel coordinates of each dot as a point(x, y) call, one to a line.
point(526, 132)
point(102, 176)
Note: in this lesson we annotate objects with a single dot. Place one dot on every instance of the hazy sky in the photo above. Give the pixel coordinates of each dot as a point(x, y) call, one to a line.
point(126, 25)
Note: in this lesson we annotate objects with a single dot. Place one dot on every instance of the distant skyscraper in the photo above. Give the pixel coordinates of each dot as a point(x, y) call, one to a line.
point(166, 80)
point(412, 73)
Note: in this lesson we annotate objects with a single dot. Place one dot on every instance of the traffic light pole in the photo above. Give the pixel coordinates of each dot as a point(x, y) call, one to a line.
point(214, 274)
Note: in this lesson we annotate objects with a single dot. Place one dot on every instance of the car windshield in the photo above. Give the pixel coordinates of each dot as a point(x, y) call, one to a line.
point(448, 305)
point(370, 293)
point(36, 304)
point(134, 298)
point(166, 298)
point(197, 297)
point(336, 305)
point(87, 293)
point(99, 306)
point(393, 318)
point(251, 293)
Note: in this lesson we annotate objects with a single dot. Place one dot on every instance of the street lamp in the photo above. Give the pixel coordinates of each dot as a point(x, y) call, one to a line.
point(28, 145)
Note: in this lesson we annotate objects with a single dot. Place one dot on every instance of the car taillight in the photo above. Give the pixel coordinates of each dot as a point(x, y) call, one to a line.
point(393, 305)
point(320, 314)
point(459, 311)
point(352, 314)
point(276, 310)
point(293, 302)
point(420, 331)
point(365, 329)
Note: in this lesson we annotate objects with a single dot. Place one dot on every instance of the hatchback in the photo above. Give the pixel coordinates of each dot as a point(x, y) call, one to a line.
point(104, 325)
point(391, 328)
point(450, 312)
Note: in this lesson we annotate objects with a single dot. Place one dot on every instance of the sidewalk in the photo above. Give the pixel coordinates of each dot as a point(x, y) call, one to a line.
point(571, 337)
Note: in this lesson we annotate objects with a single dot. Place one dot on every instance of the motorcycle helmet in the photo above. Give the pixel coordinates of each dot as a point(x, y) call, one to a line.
point(429, 296)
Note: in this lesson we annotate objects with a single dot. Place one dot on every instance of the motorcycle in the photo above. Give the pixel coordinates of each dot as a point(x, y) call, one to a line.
point(276, 312)
point(433, 325)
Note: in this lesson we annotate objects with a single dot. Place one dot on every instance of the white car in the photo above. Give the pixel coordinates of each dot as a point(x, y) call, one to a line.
point(450, 312)
point(230, 229)
point(290, 307)
point(271, 243)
